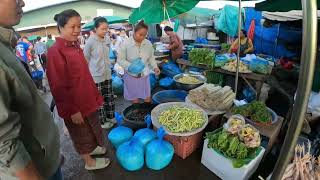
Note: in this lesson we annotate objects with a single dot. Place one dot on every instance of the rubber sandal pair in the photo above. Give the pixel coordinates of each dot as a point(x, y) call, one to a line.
point(107, 125)
point(99, 151)
point(101, 163)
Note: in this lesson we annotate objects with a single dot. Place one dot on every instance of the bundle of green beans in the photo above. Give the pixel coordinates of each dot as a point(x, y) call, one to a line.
point(181, 119)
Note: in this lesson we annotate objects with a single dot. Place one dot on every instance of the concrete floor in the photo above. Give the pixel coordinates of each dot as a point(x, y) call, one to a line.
point(73, 168)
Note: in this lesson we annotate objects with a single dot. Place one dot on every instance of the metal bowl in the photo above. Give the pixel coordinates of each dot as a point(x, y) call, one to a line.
point(188, 87)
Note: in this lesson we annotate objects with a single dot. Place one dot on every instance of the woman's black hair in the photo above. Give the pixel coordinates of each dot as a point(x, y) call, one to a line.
point(244, 32)
point(98, 21)
point(63, 17)
point(140, 25)
point(168, 28)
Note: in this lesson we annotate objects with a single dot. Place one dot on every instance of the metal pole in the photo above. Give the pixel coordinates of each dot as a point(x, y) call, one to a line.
point(238, 52)
point(308, 59)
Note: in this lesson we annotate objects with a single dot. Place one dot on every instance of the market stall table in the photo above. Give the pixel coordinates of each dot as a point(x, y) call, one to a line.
point(257, 78)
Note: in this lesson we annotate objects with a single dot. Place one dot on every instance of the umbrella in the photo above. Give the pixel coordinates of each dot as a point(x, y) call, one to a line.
point(155, 11)
point(32, 38)
point(110, 19)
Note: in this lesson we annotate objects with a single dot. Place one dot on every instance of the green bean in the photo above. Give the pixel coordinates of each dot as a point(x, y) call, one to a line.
point(181, 119)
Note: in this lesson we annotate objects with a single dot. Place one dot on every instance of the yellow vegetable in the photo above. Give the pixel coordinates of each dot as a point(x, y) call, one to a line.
point(189, 80)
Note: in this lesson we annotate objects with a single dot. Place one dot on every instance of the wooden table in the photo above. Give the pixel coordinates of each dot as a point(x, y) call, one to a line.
point(270, 131)
point(257, 78)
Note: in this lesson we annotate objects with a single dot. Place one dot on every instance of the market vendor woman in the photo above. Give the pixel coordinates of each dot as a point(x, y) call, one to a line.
point(246, 45)
point(138, 49)
point(176, 45)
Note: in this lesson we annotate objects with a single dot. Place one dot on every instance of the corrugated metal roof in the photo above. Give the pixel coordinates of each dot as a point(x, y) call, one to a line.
point(37, 4)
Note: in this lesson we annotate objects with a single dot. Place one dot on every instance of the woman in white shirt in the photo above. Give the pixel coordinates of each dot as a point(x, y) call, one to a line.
point(133, 48)
point(96, 52)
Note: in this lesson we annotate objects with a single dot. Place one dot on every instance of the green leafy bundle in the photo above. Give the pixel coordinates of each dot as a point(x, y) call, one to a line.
point(202, 56)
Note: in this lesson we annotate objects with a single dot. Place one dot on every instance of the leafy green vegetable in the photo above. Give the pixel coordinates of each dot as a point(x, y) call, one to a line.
point(232, 150)
point(256, 111)
point(242, 151)
point(202, 56)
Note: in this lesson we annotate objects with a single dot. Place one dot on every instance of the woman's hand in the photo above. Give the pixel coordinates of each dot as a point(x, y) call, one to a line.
point(77, 118)
point(157, 71)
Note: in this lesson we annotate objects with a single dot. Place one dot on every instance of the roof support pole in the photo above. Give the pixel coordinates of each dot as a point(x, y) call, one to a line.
point(308, 59)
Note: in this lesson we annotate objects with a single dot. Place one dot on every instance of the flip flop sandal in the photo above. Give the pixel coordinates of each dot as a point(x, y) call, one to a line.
point(107, 125)
point(98, 151)
point(101, 163)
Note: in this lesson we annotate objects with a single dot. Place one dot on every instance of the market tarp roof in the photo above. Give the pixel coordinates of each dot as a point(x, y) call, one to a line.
point(197, 16)
point(280, 5)
point(110, 19)
point(153, 11)
point(285, 16)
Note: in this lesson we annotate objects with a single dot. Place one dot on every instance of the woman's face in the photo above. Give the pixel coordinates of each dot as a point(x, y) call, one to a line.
point(72, 29)
point(140, 35)
point(241, 34)
point(102, 30)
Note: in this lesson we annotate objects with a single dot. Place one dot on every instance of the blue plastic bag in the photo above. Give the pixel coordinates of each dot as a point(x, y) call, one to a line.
point(159, 153)
point(117, 84)
point(153, 81)
point(144, 136)
point(220, 60)
point(259, 66)
point(131, 155)
point(120, 134)
point(136, 67)
point(248, 94)
point(166, 82)
point(170, 69)
point(112, 55)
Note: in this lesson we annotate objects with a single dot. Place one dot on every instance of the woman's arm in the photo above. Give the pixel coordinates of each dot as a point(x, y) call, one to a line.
point(59, 80)
point(233, 45)
point(174, 42)
point(250, 48)
point(122, 58)
point(87, 50)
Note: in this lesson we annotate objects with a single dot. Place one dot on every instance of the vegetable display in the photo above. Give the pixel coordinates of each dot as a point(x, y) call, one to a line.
point(256, 111)
point(304, 165)
point(202, 56)
point(228, 144)
point(212, 97)
point(232, 67)
point(181, 119)
point(235, 123)
point(189, 80)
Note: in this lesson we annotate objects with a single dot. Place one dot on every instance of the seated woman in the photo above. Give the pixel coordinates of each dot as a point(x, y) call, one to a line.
point(246, 45)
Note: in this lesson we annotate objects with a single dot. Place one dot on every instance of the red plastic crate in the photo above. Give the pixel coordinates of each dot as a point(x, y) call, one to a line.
point(185, 145)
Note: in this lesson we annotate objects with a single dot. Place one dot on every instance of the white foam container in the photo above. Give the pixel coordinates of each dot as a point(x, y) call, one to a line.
point(223, 167)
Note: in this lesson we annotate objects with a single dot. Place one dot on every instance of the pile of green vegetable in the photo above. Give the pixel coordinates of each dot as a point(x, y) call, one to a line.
point(231, 147)
point(181, 119)
point(202, 56)
point(256, 111)
point(227, 144)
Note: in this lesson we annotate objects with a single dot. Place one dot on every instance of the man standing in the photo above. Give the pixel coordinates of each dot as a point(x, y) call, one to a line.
point(40, 49)
point(29, 138)
point(50, 41)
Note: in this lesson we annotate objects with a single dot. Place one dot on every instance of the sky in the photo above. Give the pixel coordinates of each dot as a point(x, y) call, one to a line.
point(35, 4)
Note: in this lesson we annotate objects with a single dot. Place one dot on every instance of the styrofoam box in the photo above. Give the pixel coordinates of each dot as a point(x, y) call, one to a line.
point(223, 167)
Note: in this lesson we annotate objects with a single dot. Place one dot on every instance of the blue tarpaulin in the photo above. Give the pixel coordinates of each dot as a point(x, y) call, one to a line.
point(272, 40)
point(228, 20)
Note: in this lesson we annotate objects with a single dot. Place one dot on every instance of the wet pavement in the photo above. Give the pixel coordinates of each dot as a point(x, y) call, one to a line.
point(73, 168)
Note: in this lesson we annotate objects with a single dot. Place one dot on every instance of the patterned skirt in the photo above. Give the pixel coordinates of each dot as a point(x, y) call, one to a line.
point(106, 112)
point(86, 137)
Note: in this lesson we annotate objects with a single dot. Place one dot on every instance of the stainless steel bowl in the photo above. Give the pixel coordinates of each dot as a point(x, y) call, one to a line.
point(188, 87)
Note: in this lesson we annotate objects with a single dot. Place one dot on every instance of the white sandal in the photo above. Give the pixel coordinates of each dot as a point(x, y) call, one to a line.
point(99, 151)
point(101, 163)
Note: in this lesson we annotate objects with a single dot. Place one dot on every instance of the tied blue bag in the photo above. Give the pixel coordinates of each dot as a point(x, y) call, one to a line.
point(159, 153)
point(131, 155)
point(166, 82)
point(120, 134)
point(136, 67)
point(117, 84)
point(144, 136)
